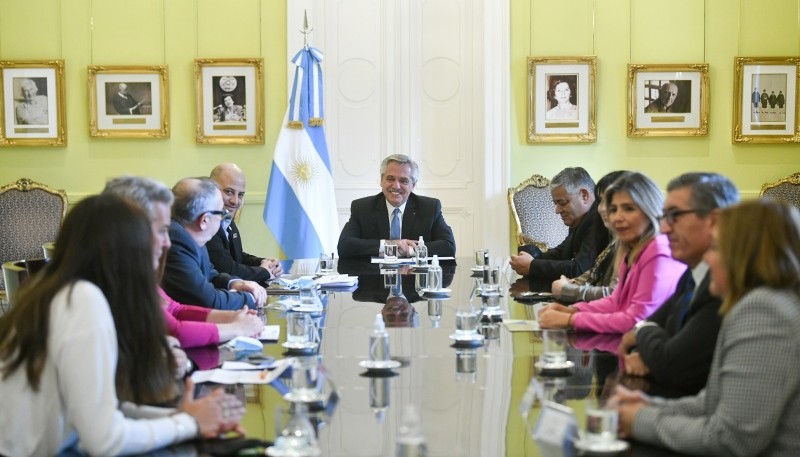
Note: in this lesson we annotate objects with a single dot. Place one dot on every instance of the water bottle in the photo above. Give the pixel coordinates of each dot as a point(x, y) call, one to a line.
point(435, 275)
point(422, 253)
point(379, 341)
point(410, 440)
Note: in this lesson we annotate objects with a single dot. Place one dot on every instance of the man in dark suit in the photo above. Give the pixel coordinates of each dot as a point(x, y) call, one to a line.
point(225, 247)
point(676, 344)
point(188, 274)
point(572, 190)
point(396, 216)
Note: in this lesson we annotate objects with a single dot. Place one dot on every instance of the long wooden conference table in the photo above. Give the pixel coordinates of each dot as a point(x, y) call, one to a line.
point(468, 399)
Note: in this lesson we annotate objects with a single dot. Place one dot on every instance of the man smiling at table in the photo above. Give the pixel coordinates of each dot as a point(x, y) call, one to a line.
point(396, 216)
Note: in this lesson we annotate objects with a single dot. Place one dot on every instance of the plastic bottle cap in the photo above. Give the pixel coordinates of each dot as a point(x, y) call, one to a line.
point(380, 326)
point(421, 242)
point(435, 262)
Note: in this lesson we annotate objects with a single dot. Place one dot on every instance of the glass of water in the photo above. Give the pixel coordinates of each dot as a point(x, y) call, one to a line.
point(326, 263)
point(468, 316)
point(554, 343)
point(390, 252)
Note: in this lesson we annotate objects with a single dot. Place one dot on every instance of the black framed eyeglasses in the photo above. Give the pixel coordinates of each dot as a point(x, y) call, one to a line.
point(223, 212)
point(672, 215)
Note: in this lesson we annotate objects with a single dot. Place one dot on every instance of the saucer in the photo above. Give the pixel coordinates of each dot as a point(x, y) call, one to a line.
point(471, 337)
point(554, 366)
point(601, 447)
point(304, 346)
point(436, 293)
point(379, 364)
point(304, 396)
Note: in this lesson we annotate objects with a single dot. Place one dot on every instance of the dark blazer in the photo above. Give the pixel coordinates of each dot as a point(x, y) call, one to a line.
point(227, 256)
point(369, 223)
point(575, 254)
point(680, 355)
point(190, 278)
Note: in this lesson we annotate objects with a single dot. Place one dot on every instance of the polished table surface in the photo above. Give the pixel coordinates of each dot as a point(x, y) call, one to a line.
point(468, 399)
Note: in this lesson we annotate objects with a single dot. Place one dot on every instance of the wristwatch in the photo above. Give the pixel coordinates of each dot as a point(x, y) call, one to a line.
point(642, 324)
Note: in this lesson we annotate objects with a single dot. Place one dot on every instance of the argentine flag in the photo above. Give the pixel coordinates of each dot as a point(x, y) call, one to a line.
point(300, 208)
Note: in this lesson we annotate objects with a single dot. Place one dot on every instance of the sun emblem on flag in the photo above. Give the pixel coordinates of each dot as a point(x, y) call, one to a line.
point(303, 172)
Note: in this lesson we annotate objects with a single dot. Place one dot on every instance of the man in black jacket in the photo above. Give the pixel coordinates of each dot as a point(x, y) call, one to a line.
point(676, 344)
point(572, 190)
point(225, 247)
point(373, 220)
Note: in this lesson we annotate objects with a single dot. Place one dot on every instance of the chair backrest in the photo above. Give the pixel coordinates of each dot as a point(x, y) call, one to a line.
point(30, 215)
point(785, 189)
point(534, 214)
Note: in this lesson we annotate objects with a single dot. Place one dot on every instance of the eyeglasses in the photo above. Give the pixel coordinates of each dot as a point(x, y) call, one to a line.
point(672, 215)
point(223, 212)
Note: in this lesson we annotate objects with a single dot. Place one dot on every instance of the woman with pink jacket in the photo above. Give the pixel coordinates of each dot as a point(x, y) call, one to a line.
point(647, 272)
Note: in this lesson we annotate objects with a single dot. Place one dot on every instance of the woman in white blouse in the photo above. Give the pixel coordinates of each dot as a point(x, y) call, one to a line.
point(89, 333)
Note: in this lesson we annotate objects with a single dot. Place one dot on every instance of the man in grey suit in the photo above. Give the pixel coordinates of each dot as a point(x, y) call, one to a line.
point(396, 216)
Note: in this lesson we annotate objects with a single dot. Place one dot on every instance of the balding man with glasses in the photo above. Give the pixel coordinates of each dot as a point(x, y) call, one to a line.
point(675, 345)
point(188, 275)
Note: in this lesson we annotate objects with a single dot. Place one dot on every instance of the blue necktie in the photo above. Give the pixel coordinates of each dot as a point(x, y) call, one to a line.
point(686, 300)
point(394, 231)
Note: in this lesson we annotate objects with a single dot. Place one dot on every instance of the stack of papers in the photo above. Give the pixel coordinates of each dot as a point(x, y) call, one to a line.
point(249, 375)
point(337, 281)
point(406, 260)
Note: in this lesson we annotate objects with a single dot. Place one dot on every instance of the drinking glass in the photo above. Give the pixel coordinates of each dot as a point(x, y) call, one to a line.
point(390, 252)
point(554, 344)
point(326, 263)
point(308, 294)
point(307, 381)
point(468, 316)
point(601, 424)
point(298, 328)
point(491, 281)
point(479, 255)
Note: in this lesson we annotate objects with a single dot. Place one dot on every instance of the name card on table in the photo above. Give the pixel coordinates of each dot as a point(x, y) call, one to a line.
point(556, 430)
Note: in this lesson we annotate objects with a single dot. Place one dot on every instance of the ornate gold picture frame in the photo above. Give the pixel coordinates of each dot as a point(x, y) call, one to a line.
point(229, 101)
point(561, 99)
point(128, 102)
point(668, 100)
point(765, 108)
point(32, 92)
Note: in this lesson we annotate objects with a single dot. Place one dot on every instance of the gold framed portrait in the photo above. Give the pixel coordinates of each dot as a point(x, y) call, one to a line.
point(229, 107)
point(32, 92)
point(128, 102)
point(765, 108)
point(668, 100)
point(561, 99)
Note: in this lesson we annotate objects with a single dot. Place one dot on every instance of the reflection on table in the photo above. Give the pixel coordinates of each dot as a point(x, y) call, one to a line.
point(467, 398)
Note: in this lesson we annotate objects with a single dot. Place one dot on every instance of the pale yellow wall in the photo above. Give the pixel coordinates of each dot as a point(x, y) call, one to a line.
point(148, 32)
point(173, 32)
point(619, 32)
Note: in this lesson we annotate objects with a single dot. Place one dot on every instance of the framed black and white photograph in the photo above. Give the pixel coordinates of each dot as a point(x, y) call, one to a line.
point(128, 102)
point(668, 100)
point(765, 108)
point(561, 97)
point(229, 101)
point(33, 103)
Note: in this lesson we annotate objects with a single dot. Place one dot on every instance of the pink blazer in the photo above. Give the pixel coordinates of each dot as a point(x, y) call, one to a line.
point(187, 323)
point(641, 290)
